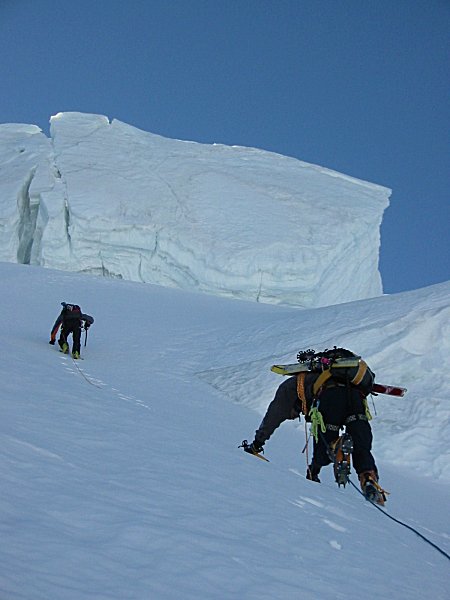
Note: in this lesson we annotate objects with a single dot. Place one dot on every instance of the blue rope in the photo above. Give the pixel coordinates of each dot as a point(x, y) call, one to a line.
point(401, 522)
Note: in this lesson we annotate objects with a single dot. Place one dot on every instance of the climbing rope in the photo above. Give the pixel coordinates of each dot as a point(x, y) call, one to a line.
point(401, 522)
point(84, 375)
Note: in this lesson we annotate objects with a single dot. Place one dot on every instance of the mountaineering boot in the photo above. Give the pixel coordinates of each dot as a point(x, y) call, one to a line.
point(75, 355)
point(371, 489)
point(312, 473)
point(64, 347)
point(342, 449)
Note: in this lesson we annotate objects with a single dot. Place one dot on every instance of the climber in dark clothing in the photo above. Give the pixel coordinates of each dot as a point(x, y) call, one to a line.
point(70, 320)
point(341, 406)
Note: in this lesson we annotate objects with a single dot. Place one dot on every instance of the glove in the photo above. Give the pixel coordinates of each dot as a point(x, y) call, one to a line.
point(86, 325)
point(52, 342)
point(253, 448)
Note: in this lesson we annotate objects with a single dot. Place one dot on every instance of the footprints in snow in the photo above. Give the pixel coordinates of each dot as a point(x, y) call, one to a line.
point(304, 501)
point(74, 369)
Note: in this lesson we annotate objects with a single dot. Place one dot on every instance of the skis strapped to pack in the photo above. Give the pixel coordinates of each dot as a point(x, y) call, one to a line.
point(342, 366)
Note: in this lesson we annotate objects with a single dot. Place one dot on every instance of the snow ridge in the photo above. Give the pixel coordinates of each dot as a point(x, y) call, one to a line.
point(103, 197)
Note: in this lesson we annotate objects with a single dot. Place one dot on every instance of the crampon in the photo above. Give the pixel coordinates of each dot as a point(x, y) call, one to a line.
point(342, 449)
point(371, 488)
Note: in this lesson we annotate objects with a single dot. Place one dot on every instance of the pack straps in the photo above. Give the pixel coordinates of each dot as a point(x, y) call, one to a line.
point(323, 377)
point(314, 413)
point(362, 369)
point(301, 392)
point(327, 373)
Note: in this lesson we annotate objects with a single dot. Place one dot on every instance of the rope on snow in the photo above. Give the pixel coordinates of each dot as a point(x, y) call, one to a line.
point(402, 523)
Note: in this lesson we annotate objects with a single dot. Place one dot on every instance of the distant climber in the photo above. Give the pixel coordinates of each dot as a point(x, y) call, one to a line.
point(332, 399)
point(71, 322)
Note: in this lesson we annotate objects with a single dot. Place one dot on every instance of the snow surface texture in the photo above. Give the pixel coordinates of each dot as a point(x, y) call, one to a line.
point(120, 473)
point(107, 198)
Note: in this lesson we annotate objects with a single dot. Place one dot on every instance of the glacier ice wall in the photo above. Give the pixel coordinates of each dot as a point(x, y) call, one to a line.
point(106, 198)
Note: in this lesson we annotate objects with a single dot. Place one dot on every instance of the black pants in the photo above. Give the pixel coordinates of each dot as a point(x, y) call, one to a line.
point(343, 406)
point(74, 328)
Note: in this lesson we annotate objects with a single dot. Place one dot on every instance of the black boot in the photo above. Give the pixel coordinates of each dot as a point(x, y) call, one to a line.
point(312, 473)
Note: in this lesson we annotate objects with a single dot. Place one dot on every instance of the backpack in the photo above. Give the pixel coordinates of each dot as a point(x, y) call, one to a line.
point(338, 365)
point(70, 311)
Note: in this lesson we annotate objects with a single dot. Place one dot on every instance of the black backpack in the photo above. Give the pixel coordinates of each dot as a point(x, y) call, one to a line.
point(339, 365)
point(70, 312)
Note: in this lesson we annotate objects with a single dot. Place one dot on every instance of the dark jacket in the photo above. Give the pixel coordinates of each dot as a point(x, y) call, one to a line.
point(285, 405)
point(66, 318)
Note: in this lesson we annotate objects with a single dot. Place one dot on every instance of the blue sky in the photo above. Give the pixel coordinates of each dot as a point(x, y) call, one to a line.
point(357, 86)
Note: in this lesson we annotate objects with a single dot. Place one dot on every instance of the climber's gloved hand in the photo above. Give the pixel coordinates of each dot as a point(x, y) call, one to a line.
point(253, 448)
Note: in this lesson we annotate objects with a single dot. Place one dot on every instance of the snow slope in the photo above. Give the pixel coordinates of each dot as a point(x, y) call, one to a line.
point(121, 476)
point(106, 198)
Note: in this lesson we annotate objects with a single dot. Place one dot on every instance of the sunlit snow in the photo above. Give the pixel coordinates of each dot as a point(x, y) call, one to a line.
point(121, 475)
point(106, 198)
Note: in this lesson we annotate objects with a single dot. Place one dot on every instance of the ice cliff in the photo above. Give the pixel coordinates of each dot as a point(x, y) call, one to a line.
point(106, 198)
